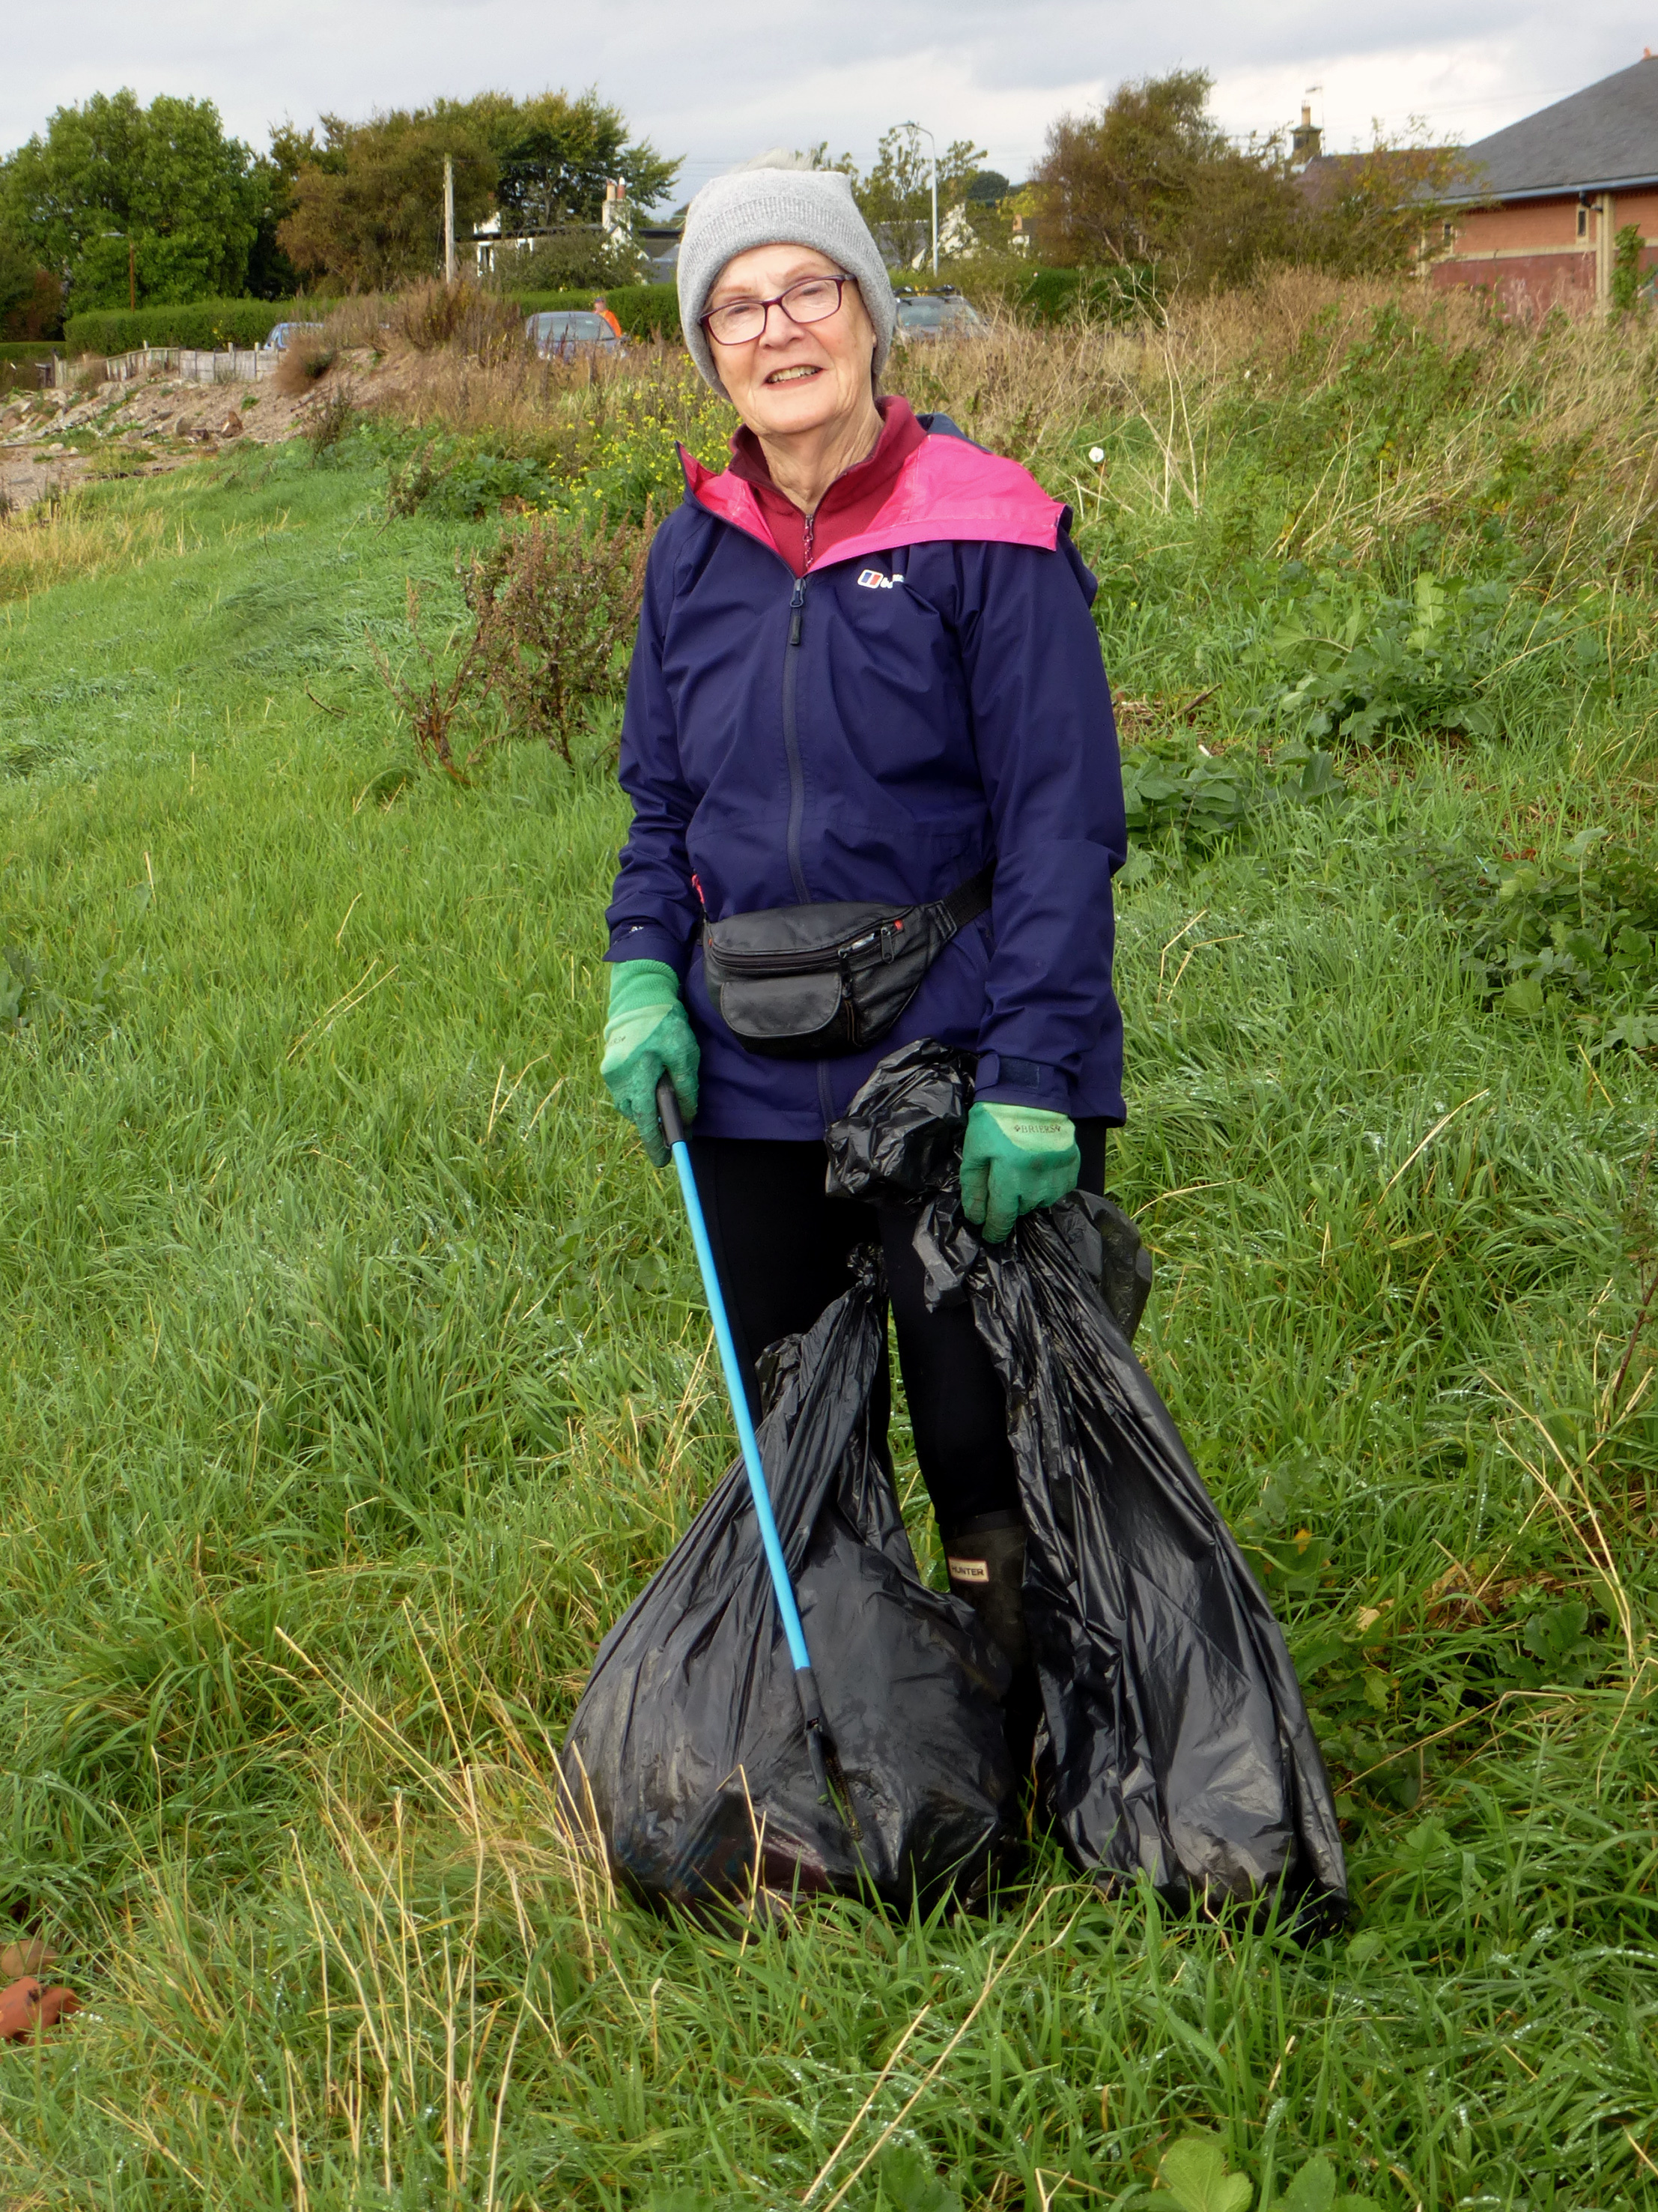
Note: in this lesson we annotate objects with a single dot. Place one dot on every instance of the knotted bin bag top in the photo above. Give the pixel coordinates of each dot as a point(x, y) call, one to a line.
point(1178, 1741)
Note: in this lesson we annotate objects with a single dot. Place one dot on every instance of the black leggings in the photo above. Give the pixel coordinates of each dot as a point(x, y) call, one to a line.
point(782, 1248)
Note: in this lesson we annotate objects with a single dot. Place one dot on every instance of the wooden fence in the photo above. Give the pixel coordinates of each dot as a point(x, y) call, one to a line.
point(232, 364)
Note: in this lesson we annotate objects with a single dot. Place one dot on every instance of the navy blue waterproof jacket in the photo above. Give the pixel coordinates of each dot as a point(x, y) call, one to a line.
point(930, 698)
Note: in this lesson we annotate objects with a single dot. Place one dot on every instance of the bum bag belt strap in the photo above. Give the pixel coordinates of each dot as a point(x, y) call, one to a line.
point(969, 900)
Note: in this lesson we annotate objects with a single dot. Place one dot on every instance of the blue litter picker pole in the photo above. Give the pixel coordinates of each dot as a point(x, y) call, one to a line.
point(805, 1683)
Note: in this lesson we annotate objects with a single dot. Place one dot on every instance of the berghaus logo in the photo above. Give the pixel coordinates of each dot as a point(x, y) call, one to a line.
point(873, 581)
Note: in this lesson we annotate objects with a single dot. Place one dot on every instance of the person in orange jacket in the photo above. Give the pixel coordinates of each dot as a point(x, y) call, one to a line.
point(601, 308)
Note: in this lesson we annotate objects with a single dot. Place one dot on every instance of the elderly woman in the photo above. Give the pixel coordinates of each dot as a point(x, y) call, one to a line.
point(867, 697)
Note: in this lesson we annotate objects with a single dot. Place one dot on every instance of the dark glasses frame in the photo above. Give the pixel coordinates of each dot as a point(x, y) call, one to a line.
point(778, 300)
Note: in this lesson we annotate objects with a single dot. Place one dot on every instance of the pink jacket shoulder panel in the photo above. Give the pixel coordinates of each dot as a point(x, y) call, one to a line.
point(946, 489)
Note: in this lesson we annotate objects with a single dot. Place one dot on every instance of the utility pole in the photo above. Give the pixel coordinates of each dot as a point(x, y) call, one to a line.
point(932, 144)
point(132, 275)
point(448, 219)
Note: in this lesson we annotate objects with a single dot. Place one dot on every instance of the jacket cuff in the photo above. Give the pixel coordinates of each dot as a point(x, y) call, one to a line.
point(1004, 1080)
point(648, 940)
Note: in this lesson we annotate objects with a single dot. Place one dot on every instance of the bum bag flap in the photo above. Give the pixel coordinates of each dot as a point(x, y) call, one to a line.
point(807, 982)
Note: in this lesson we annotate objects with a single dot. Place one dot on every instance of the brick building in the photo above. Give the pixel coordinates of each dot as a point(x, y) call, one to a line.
point(1547, 197)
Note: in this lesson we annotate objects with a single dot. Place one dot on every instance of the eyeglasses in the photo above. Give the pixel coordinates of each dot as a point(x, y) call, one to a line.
point(813, 300)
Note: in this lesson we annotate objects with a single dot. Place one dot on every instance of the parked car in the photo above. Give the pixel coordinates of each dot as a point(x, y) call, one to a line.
point(938, 315)
point(571, 334)
point(283, 335)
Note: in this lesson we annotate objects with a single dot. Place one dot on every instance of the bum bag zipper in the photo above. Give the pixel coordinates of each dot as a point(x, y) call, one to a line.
point(884, 933)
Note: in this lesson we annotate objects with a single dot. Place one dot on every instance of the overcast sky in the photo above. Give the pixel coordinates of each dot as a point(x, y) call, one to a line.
point(715, 80)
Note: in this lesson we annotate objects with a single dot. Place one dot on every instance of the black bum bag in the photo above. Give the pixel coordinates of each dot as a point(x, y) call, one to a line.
point(805, 982)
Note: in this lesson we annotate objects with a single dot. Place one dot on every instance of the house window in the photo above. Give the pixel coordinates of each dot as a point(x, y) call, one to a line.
point(1582, 220)
point(1447, 232)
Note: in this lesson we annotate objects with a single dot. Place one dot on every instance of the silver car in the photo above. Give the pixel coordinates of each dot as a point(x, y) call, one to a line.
point(939, 315)
point(571, 334)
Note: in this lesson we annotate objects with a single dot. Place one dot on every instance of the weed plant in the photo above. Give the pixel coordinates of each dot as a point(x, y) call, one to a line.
point(358, 1376)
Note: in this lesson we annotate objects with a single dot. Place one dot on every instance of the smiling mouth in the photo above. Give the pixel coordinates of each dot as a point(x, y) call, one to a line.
point(793, 375)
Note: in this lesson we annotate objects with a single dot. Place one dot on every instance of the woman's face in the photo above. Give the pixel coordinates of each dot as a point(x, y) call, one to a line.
point(795, 377)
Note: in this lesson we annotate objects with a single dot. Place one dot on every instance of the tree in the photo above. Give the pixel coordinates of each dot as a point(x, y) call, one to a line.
point(367, 203)
point(896, 195)
point(270, 274)
point(1152, 178)
point(17, 268)
point(571, 260)
point(1369, 213)
point(557, 154)
point(368, 210)
point(159, 189)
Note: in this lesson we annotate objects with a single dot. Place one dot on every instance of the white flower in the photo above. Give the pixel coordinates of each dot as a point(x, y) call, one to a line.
point(1097, 453)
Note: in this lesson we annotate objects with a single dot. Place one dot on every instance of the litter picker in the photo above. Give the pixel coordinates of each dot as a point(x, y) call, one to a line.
point(811, 1710)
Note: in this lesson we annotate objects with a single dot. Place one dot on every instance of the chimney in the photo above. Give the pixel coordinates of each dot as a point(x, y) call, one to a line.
point(1306, 140)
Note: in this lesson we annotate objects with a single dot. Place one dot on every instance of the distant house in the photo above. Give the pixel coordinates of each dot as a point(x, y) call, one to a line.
point(1546, 198)
point(660, 244)
point(493, 250)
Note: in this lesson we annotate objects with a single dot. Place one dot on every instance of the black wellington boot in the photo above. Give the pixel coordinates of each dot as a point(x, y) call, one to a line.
point(986, 1559)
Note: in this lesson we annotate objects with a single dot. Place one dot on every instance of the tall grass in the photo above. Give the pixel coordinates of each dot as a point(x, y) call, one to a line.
point(75, 535)
point(357, 1376)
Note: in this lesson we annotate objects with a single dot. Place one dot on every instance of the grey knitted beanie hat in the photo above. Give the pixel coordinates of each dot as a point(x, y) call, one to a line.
point(778, 206)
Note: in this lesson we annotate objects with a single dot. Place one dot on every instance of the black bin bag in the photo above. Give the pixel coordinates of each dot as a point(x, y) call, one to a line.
point(1179, 1742)
point(687, 1750)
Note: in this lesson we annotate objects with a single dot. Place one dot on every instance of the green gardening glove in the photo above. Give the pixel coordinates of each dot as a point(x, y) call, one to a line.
point(647, 1037)
point(1015, 1160)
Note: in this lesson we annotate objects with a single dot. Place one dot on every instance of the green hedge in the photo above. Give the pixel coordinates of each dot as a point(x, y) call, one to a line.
point(30, 349)
point(204, 323)
point(644, 311)
point(1055, 296)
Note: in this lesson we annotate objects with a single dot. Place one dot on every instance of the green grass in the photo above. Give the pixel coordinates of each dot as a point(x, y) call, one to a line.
point(356, 1379)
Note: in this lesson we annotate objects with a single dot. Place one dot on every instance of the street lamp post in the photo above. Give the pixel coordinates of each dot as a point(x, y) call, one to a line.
point(933, 147)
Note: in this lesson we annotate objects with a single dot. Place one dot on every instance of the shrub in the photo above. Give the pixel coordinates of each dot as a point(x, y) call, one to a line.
point(1173, 783)
point(1626, 268)
point(432, 707)
point(558, 603)
point(1580, 935)
point(1063, 295)
point(457, 315)
point(330, 422)
point(453, 478)
point(1345, 662)
point(303, 361)
point(579, 256)
point(554, 607)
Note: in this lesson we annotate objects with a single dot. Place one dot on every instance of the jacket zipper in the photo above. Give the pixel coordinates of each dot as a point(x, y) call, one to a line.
point(792, 739)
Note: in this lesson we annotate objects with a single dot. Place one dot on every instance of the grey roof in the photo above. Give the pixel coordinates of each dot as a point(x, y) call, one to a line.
point(1598, 140)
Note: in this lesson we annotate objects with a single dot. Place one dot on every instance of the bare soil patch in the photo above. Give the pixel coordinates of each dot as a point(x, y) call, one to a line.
point(52, 441)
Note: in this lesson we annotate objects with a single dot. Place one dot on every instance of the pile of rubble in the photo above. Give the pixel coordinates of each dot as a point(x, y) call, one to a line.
point(51, 439)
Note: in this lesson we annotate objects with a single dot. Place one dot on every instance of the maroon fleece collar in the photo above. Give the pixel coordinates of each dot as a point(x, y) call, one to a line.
point(849, 505)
